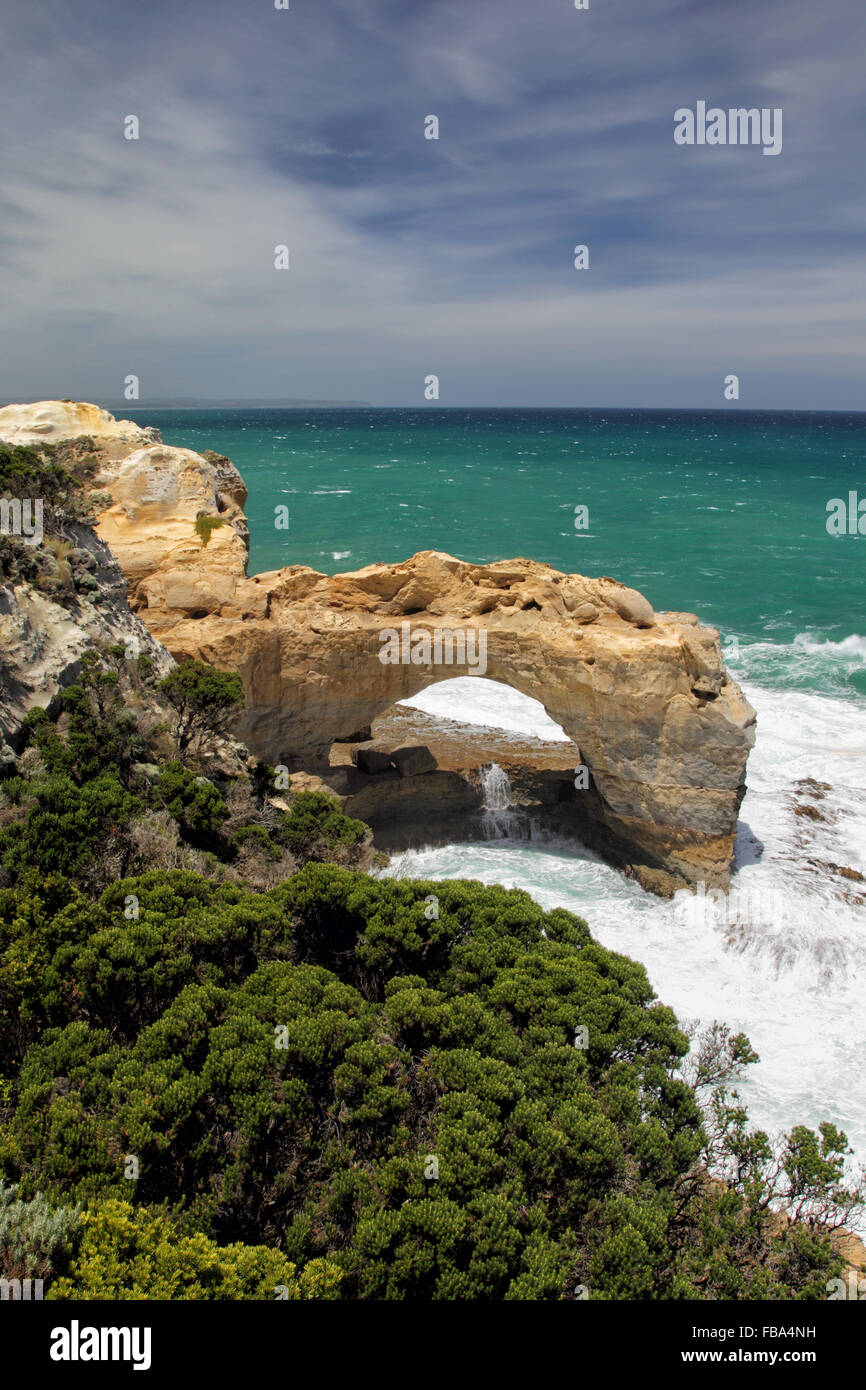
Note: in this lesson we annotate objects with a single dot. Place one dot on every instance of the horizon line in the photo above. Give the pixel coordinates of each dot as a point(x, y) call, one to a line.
point(290, 403)
point(300, 403)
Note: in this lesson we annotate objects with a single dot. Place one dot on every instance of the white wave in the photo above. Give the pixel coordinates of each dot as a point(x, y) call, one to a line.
point(824, 664)
point(487, 704)
point(854, 645)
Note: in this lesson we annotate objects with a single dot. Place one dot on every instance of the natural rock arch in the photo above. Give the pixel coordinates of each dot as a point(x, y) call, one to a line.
point(663, 729)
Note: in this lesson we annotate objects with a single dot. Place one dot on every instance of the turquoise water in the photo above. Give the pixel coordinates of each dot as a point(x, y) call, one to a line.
point(720, 513)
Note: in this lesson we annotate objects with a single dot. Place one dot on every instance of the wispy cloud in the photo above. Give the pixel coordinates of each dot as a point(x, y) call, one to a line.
point(412, 256)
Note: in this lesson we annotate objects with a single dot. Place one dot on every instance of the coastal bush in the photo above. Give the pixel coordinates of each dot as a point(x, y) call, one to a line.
point(109, 722)
point(58, 476)
point(65, 824)
point(102, 732)
point(194, 802)
point(328, 1070)
point(129, 1253)
point(36, 1239)
point(315, 827)
point(258, 837)
point(55, 473)
point(206, 525)
point(342, 1085)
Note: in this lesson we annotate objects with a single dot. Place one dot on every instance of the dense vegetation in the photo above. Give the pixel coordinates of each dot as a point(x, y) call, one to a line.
point(234, 1068)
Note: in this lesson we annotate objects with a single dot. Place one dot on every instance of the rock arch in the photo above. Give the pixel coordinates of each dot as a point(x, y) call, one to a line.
point(663, 729)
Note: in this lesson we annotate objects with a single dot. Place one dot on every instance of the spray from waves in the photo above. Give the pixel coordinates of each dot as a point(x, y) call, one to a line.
point(784, 957)
point(822, 665)
point(502, 818)
point(852, 648)
point(499, 819)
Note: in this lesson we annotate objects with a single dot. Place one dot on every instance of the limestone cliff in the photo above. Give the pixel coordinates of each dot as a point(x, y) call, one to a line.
point(663, 730)
point(49, 422)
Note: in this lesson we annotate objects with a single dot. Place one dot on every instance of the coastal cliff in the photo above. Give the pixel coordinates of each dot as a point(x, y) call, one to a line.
point(663, 732)
point(62, 591)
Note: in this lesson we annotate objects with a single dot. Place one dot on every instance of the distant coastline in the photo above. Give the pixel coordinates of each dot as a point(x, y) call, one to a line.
point(233, 403)
point(125, 409)
point(122, 408)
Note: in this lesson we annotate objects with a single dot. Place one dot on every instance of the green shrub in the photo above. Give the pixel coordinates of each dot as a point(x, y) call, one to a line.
point(316, 825)
point(256, 836)
point(194, 802)
point(36, 1239)
point(203, 698)
point(66, 823)
point(384, 1075)
point(133, 1254)
point(206, 525)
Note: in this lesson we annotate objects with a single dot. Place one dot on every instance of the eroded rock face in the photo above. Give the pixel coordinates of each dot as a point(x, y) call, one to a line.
point(177, 527)
point(663, 730)
point(42, 639)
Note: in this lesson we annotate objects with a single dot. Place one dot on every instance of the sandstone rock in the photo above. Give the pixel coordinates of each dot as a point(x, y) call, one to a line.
point(412, 762)
point(703, 649)
point(585, 612)
point(371, 760)
point(158, 494)
point(708, 686)
point(42, 639)
point(683, 619)
point(359, 736)
point(853, 1252)
point(405, 811)
point(47, 422)
point(629, 604)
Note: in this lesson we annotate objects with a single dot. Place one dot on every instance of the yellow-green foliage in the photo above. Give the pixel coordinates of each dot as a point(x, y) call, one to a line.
point(131, 1253)
point(205, 524)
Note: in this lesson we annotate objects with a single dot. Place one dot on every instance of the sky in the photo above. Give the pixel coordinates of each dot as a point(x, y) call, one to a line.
point(411, 257)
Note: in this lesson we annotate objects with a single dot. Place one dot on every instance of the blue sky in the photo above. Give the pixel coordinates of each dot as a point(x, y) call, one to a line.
point(412, 256)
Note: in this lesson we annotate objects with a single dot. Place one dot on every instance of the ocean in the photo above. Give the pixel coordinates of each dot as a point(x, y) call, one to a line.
point(721, 513)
